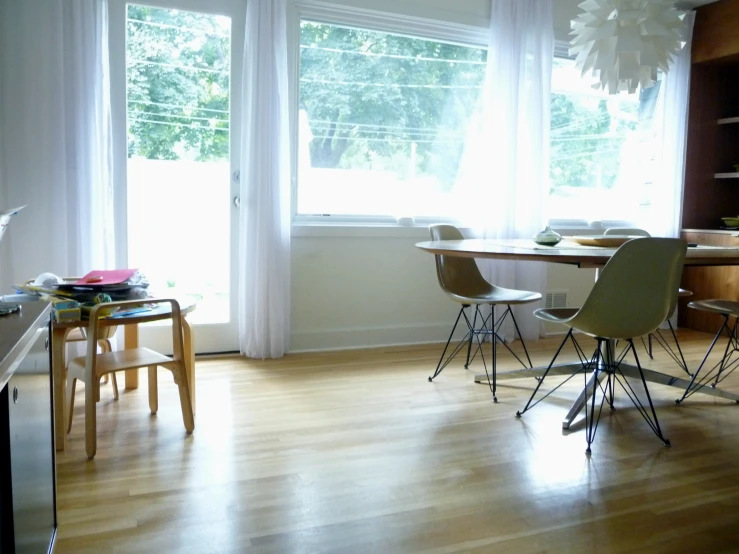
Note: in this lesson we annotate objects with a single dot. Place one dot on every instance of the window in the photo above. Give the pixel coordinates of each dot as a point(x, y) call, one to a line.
point(383, 120)
point(602, 148)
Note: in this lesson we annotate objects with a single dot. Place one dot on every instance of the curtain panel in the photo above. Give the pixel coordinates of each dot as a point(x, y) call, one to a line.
point(264, 220)
point(504, 175)
point(56, 137)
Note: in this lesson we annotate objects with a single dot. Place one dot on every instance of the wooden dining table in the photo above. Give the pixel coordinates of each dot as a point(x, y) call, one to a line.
point(573, 253)
point(130, 324)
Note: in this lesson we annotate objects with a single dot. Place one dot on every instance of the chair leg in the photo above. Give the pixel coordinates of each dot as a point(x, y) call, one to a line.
point(675, 353)
point(518, 332)
point(469, 342)
point(90, 422)
point(153, 390)
point(540, 381)
point(115, 385)
point(694, 386)
point(185, 401)
point(442, 364)
point(71, 388)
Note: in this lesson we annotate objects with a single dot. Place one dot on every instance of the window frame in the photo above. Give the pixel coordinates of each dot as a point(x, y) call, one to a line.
point(404, 25)
point(372, 20)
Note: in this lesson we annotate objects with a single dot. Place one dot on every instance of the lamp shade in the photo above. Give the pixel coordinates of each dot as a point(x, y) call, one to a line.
point(623, 43)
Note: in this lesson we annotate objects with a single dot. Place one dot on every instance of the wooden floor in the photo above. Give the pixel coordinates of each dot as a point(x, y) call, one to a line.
point(355, 452)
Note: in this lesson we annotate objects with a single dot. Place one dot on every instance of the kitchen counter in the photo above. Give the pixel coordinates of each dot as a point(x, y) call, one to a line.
point(27, 463)
point(17, 331)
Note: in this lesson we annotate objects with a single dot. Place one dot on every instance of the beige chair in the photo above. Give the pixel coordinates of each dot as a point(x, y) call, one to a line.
point(92, 367)
point(729, 361)
point(633, 295)
point(462, 281)
point(675, 353)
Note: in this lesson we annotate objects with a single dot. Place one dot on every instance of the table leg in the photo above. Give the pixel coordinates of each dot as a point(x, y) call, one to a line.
point(59, 373)
point(189, 354)
point(131, 340)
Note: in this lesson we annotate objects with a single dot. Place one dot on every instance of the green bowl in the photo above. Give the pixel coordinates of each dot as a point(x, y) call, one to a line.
point(730, 221)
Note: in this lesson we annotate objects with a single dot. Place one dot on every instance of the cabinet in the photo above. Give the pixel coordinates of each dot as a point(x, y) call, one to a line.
point(711, 181)
point(27, 470)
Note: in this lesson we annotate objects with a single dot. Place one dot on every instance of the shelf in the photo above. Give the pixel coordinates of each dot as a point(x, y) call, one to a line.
point(728, 120)
point(734, 175)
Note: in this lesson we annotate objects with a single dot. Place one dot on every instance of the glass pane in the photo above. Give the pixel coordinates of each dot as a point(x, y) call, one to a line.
point(383, 120)
point(178, 74)
point(602, 149)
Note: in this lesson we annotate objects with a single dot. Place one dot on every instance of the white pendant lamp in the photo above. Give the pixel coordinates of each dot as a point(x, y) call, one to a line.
point(624, 42)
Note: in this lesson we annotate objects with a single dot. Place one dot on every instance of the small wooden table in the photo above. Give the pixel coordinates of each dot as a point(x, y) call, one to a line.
point(130, 340)
point(567, 252)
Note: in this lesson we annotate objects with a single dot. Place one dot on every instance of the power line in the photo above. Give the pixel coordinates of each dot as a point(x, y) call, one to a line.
point(361, 139)
point(179, 116)
point(387, 85)
point(198, 127)
point(327, 122)
point(135, 61)
point(176, 106)
point(393, 56)
point(170, 26)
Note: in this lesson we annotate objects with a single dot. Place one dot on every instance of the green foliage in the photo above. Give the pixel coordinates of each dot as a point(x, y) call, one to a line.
point(369, 96)
point(178, 67)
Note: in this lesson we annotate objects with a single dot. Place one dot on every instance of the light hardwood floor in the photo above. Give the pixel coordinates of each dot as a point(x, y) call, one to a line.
point(355, 452)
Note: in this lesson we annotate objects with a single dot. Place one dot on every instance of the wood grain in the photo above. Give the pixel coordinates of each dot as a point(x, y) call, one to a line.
point(716, 31)
point(708, 283)
point(356, 452)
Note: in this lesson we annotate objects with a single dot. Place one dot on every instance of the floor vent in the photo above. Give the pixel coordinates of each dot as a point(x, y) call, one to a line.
point(557, 299)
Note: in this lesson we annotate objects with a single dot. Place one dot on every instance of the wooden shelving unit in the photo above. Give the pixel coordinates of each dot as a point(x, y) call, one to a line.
point(710, 191)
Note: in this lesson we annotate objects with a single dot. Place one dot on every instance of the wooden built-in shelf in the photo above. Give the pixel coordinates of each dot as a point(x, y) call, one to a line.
point(728, 120)
point(734, 175)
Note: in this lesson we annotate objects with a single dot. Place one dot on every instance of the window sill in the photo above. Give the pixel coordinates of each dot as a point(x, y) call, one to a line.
point(420, 230)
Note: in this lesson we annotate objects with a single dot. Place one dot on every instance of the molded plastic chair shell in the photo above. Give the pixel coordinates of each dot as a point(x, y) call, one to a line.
point(635, 292)
point(461, 279)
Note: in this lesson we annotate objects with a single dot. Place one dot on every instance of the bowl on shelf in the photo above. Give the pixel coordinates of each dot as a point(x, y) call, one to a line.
point(730, 221)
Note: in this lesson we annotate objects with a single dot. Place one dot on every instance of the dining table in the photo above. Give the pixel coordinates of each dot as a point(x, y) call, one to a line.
point(130, 324)
point(583, 254)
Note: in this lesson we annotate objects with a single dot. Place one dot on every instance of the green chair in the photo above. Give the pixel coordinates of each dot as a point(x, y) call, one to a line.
point(675, 353)
point(461, 280)
point(634, 294)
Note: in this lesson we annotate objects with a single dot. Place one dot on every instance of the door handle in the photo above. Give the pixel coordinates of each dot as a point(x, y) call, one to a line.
point(237, 201)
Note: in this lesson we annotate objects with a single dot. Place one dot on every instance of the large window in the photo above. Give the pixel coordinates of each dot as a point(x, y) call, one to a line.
point(602, 148)
point(383, 120)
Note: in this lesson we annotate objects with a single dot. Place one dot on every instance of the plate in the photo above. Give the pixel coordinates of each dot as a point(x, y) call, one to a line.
point(606, 241)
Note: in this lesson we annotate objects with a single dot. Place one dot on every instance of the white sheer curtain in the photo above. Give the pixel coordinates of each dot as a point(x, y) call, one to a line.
point(56, 137)
point(671, 135)
point(264, 226)
point(504, 176)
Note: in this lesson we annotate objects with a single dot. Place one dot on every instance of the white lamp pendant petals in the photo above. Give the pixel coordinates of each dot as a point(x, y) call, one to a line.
point(623, 43)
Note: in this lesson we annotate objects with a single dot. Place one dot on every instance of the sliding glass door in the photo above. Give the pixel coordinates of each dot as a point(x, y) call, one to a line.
point(175, 69)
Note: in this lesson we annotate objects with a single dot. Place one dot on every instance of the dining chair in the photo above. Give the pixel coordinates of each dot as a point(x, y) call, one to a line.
point(461, 280)
point(94, 365)
point(675, 353)
point(729, 360)
point(633, 295)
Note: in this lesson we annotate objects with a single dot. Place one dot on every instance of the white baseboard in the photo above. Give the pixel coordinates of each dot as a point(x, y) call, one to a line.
point(370, 337)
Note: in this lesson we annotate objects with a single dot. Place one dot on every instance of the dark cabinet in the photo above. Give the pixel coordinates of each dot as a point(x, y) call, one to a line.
point(27, 482)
